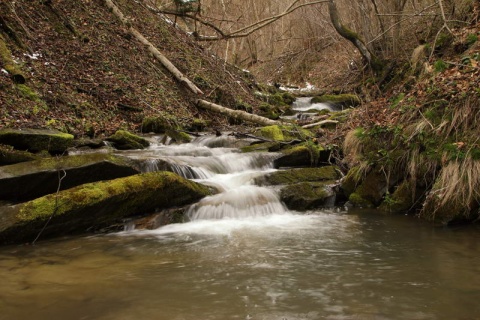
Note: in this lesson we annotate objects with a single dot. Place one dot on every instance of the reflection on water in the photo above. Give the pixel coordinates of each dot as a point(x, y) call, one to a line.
point(323, 265)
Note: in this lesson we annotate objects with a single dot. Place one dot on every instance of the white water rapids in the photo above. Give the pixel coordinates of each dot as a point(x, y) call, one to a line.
point(216, 161)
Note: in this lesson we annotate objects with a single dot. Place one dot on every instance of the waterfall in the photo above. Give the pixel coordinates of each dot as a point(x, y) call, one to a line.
point(217, 161)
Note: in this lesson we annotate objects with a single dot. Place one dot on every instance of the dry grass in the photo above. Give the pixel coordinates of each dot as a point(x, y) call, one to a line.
point(456, 190)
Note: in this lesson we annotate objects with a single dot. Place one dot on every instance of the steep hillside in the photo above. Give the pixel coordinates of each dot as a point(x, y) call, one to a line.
point(81, 71)
point(417, 147)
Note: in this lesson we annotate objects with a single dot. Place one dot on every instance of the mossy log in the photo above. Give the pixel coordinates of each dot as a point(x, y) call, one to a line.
point(95, 205)
point(235, 114)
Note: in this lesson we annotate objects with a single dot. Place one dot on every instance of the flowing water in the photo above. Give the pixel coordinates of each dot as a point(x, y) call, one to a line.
point(243, 255)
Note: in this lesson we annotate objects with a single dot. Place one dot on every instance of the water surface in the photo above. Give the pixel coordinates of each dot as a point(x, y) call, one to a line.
point(323, 265)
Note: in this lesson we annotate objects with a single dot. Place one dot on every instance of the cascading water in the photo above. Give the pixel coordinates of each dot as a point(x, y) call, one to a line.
point(216, 161)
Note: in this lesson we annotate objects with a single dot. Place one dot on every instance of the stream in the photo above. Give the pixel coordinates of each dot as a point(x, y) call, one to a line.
point(243, 255)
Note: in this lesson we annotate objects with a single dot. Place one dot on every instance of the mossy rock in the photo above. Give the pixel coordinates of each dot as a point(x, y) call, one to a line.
point(95, 205)
point(307, 195)
point(35, 140)
point(307, 154)
point(29, 180)
point(351, 181)
point(402, 199)
point(300, 175)
point(8, 155)
point(372, 190)
point(344, 100)
point(160, 123)
point(179, 136)
point(288, 98)
point(198, 125)
point(262, 147)
point(124, 140)
point(268, 111)
point(284, 133)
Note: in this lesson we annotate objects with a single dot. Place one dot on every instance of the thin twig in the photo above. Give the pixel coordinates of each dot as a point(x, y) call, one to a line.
point(55, 209)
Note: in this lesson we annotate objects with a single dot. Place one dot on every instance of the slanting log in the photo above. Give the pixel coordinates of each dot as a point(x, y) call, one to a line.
point(156, 53)
point(236, 114)
point(320, 123)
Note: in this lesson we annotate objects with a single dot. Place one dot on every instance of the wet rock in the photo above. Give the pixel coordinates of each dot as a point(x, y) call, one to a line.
point(35, 140)
point(300, 175)
point(305, 188)
point(372, 190)
point(307, 154)
point(124, 140)
point(94, 205)
point(308, 195)
point(29, 180)
point(8, 155)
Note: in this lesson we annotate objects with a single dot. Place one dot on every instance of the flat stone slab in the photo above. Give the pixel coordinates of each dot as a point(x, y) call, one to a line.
point(35, 140)
point(33, 179)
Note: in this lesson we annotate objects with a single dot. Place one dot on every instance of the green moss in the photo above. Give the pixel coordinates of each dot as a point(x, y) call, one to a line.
point(358, 201)
point(272, 132)
point(302, 175)
point(124, 140)
point(471, 39)
point(288, 98)
point(36, 140)
point(440, 66)
point(8, 155)
point(27, 92)
point(262, 147)
point(305, 195)
point(160, 123)
point(401, 200)
point(132, 193)
point(179, 136)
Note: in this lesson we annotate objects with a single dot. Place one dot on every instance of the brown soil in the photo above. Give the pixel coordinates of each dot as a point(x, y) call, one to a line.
point(86, 74)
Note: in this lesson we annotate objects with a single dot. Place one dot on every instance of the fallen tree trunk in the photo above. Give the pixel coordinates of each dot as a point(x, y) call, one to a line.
point(156, 53)
point(320, 123)
point(236, 114)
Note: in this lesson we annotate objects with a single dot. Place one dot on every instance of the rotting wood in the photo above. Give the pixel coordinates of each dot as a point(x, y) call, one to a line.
point(236, 114)
point(156, 53)
point(320, 123)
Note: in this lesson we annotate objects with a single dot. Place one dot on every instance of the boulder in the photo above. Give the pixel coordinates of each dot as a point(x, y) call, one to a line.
point(29, 180)
point(124, 140)
point(35, 140)
point(308, 195)
point(305, 188)
point(8, 155)
point(300, 175)
point(372, 190)
point(95, 205)
point(307, 154)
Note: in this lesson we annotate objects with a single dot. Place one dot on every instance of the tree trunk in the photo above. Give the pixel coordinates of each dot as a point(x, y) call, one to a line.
point(156, 53)
point(354, 38)
point(236, 114)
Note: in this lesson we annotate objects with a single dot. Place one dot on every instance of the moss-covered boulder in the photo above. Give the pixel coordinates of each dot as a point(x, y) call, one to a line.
point(160, 123)
point(35, 140)
point(29, 180)
point(372, 190)
point(262, 147)
point(283, 133)
point(404, 198)
point(95, 205)
point(179, 136)
point(8, 155)
point(124, 140)
point(307, 195)
point(300, 175)
point(307, 154)
point(344, 100)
